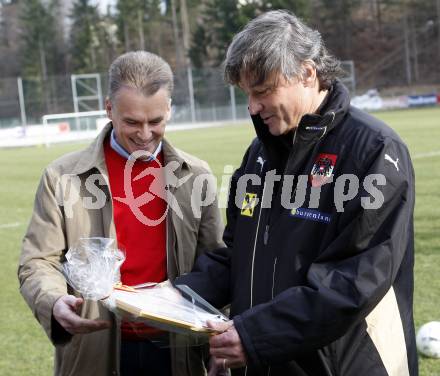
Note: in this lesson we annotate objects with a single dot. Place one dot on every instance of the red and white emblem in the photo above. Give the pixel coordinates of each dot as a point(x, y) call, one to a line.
point(322, 169)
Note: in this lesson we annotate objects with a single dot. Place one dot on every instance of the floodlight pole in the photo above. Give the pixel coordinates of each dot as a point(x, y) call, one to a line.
point(186, 45)
point(22, 106)
point(100, 100)
point(407, 51)
point(191, 94)
point(74, 92)
point(233, 105)
point(75, 98)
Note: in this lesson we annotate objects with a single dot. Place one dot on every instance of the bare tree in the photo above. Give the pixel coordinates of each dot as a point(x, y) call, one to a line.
point(185, 30)
point(176, 34)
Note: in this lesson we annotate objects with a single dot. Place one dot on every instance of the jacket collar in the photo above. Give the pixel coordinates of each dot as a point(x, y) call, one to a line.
point(93, 156)
point(330, 113)
point(172, 154)
point(312, 127)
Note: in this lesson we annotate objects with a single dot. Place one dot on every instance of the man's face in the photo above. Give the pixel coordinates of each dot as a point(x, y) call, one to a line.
point(281, 106)
point(138, 120)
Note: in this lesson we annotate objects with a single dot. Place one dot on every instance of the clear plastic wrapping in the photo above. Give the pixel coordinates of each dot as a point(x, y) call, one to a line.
point(163, 306)
point(92, 267)
point(178, 314)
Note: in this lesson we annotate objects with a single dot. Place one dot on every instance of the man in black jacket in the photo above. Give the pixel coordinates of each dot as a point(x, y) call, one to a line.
point(318, 267)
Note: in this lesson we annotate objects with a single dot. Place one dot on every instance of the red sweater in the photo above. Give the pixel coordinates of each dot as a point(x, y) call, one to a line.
point(144, 245)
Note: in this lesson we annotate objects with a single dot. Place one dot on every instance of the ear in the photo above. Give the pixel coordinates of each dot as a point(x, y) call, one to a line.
point(108, 108)
point(309, 74)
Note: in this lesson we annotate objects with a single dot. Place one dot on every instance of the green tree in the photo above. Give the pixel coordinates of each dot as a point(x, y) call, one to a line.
point(130, 25)
point(109, 42)
point(37, 37)
point(139, 24)
point(40, 56)
point(85, 44)
point(198, 52)
point(336, 22)
point(217, 24)
point(220, 20)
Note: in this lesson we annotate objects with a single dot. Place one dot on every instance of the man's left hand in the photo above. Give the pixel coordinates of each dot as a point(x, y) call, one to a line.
point(226, 348)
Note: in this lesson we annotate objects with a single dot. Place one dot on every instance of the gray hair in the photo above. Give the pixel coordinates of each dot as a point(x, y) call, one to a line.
point(278, 42)
point(142, 70)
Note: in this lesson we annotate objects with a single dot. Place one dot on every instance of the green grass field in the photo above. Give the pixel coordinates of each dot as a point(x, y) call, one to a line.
point(24, 347)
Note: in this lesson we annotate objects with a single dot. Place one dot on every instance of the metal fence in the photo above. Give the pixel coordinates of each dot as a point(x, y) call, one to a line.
point(200, 95)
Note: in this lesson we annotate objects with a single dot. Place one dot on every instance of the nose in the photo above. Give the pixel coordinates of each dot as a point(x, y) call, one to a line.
point(254, 105)
point(144, 132)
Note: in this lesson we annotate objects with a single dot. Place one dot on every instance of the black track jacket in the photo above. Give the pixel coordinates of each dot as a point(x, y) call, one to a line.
point(325, 287)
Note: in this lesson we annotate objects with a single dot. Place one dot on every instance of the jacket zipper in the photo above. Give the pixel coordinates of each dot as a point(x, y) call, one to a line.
point(267, 228)
point(168, 253)
point(273, 288)
point(167, 220)
point(171, 254)
point(273, 274)
point(255, 244)
point(293, 145)
point(253, 252)
point(265, 240)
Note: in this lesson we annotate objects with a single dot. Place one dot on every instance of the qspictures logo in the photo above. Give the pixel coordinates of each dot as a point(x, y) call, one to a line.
point(163, 184)
point(91, 193)
point(199, 191)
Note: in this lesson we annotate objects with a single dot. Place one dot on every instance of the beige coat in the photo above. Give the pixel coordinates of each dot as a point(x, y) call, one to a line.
point(58, 221)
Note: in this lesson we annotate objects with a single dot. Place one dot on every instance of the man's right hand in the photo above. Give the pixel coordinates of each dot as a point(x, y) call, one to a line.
point(65, 312)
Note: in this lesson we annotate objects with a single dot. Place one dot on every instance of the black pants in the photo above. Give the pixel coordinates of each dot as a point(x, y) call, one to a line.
point(143, 358)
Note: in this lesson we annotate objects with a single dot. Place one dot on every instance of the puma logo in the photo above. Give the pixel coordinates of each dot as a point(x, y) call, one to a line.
point(394, 162)
point(261, 161)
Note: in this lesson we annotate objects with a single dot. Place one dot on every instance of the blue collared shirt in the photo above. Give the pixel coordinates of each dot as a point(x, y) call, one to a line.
point(124, 153)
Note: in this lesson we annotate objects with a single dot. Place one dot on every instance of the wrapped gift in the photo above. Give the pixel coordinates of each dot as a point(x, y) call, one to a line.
point(92, 269)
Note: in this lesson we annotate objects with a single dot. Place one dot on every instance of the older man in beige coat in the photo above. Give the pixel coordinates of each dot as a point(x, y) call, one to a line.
point(85, 334)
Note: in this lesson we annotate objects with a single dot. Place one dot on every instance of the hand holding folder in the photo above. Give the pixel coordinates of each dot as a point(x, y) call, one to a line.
point(168, 308)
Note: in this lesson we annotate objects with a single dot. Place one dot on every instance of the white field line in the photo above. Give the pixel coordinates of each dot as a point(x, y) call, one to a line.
point(427, 155)
point(10, 225)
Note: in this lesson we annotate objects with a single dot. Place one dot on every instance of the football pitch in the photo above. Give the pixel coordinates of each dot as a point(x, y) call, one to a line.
point(24, 347)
